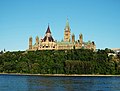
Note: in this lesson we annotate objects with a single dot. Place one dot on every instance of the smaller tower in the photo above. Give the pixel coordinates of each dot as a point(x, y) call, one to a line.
point(30, 43)
point(93, 45)
point(37, 40)
point(81, 38)
point(73, 38)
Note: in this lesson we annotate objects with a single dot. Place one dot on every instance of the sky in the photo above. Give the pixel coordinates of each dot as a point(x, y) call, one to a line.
point(97, 20)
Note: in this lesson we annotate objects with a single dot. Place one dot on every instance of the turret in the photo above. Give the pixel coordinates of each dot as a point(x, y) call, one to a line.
point(37, 40)
point(30, 43)
point(81, 38)
point(73, 38)
point(93, 45)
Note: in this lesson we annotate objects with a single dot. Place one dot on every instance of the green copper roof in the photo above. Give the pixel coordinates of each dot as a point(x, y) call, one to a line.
point(30, 37)
point(81, 34)
point(67, 24)
point(37, 37)
point(73, 34)
point(89, 42)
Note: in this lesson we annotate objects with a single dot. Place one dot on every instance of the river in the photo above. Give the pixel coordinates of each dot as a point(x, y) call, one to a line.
point(49, 83)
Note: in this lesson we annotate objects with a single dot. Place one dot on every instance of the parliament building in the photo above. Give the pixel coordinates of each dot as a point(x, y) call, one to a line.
point(69, 42)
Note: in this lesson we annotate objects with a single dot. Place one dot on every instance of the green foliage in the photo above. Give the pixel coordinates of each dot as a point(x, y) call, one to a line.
point(78, 67)
point(76, 61)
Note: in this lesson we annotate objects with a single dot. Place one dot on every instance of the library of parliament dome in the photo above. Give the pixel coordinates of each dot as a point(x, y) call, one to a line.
point(69, 42)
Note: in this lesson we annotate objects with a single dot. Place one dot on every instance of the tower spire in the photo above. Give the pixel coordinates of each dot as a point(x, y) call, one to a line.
point(48, 30)
point(67, 24)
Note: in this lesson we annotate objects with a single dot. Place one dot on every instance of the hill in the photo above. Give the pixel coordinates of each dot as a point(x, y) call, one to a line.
point(82, 61)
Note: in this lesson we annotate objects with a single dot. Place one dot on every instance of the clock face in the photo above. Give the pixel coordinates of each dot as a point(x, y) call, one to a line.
point(66, 28)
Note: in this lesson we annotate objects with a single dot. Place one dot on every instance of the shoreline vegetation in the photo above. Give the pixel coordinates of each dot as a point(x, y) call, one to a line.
point(58, 75)
point(64, 62)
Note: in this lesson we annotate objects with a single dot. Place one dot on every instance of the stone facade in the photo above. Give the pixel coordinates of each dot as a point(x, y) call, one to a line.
point(48, 43)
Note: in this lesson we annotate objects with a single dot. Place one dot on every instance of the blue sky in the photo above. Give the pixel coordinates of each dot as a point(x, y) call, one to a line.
point(97, 20)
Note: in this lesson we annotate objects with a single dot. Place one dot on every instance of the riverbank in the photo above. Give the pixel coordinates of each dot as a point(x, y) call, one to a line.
point(22, 74)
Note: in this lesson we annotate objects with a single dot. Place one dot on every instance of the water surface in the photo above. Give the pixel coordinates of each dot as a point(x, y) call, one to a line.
point(45, 83)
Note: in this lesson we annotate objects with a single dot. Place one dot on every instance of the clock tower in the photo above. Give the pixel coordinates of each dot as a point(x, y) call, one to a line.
point(67, 32)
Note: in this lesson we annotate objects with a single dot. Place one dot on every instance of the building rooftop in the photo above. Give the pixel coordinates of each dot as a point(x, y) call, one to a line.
point(48, 30)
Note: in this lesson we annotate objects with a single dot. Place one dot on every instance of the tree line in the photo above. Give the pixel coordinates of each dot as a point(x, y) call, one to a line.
point(75, 61)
